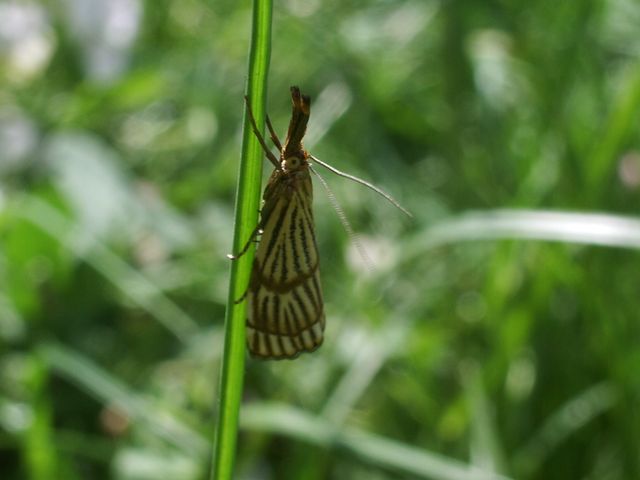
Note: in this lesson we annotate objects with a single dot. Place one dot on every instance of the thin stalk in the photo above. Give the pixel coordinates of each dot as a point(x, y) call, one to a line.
point(246, 218)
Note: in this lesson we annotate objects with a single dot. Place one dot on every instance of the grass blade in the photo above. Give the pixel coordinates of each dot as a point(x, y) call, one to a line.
point(247, 204)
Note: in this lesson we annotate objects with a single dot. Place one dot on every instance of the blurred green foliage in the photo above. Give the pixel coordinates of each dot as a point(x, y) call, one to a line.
point(492, 340)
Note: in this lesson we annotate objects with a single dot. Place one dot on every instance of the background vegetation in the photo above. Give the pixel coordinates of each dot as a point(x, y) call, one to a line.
point(496, 337)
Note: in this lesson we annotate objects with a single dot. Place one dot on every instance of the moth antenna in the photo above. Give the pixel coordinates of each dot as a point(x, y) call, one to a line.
point(345, 222)
point(379, 191)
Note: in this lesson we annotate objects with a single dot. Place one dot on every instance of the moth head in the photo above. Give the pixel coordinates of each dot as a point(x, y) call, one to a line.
point(293, 163)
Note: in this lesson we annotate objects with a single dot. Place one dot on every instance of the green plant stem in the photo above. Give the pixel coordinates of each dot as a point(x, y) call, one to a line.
point(247, 205)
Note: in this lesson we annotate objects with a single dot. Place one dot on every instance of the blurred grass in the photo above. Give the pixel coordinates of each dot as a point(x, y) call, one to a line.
point(499, 332)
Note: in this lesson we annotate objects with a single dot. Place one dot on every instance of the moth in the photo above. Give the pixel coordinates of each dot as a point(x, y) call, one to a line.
point(285, 305)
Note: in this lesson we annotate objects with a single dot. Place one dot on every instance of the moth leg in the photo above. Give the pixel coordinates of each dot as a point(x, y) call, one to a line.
point(252, 238)
point(272, 133)
point(272, 158)
point(246, 290)
point(243, 296)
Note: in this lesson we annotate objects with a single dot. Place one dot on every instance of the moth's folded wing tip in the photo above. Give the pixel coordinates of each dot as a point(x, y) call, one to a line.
point(257, 343)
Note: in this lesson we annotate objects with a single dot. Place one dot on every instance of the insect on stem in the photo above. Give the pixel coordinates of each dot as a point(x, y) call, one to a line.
point(285, 312)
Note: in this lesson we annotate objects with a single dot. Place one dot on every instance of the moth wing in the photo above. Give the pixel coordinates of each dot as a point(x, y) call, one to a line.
point(282, 325)
point(285, 310)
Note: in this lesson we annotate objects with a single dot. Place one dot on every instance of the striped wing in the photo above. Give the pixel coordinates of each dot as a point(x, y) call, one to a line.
point(285, 309)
